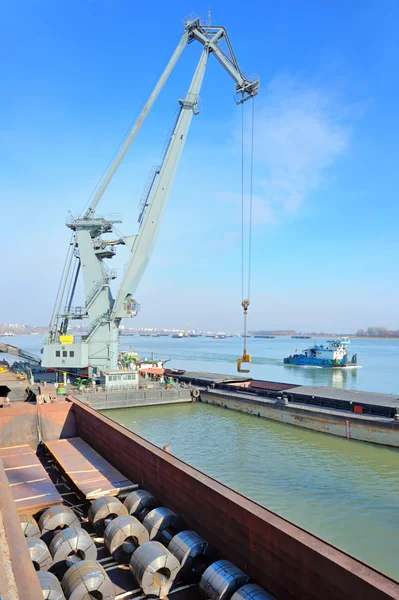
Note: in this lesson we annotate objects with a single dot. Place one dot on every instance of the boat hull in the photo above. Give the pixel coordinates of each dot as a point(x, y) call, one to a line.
point(324, 363)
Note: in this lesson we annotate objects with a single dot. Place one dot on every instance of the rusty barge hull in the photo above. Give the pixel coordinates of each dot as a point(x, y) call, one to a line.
point(363, 416)
point(351, 426)
point(284, 559)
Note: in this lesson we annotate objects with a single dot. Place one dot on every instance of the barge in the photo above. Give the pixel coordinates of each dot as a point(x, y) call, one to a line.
point(65, 464)
point(363, 416)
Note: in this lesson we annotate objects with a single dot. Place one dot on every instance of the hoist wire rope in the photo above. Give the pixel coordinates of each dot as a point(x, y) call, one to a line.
point(251, 199)
point(246, 276)
point(246, 301)
point(242, 201)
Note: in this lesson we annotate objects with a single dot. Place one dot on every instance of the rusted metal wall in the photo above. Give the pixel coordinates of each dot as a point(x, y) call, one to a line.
point(56, 421)
point(18, 425)
point(18, 579)
point(286, 560)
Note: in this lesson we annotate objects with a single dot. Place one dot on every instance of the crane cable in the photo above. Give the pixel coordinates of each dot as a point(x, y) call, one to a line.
point(245, 302)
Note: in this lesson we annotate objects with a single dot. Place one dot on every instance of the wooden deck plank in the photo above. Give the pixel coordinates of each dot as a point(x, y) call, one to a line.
point(12, 450)
point(88, 470)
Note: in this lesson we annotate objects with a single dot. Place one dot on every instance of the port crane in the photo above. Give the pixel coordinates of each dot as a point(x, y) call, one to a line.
point(98, 349)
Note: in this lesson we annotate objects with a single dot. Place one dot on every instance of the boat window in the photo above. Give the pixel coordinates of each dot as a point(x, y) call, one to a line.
point(72, 353)
point(64, 353)
point(57, 353)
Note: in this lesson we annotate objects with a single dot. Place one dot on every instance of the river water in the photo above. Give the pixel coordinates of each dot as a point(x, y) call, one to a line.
point(346, 492)
point(379, 360)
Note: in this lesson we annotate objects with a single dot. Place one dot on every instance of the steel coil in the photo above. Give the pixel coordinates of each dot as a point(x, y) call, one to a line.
point(154, 568)
point(29, 526)
point(57, 517)
point(162, 524)
point(72, 545)
point(139, 503)
point(87, 579)
point(192, 552)
point(50, 585)
point(123, 536)
point(104, 510)
point(39, 554)
point(251, 591)
point(221, 580)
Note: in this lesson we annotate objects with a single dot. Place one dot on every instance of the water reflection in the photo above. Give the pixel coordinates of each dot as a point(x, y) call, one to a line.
point(341, 378)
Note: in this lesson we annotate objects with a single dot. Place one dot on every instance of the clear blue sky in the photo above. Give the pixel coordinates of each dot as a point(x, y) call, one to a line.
point(325, 240)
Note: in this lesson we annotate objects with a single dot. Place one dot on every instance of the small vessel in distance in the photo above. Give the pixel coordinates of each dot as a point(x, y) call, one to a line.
point(332, 355)
point(265, 337)
point(301, 337)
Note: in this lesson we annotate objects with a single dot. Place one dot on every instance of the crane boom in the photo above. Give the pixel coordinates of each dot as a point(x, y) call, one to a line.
point(144, 243)
point(138, 123)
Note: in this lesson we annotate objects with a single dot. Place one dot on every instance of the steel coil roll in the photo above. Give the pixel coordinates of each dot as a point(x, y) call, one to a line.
point(57, 517)
point(154, 568)
point(104, 510)
point(29, 526)
point(139, 503)
point(192, 552)
point(50, 585)
point(39, 554)
point(221, 580)
point(87, 579)
point(123, 536)
point(162, 524)
point(251, 591)
point(72, 545)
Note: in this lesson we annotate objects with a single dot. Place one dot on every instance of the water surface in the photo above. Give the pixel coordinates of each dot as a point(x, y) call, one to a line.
point(379, 359)
point(344, 491)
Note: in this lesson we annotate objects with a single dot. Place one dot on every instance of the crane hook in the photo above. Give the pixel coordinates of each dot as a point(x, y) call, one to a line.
point(246, 358)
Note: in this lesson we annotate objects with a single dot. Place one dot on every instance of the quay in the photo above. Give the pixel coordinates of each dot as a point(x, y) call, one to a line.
point(363, 416)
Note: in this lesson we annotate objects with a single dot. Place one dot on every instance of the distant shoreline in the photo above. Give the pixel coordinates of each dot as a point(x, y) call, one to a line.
point(253, 333)
point(352, 337)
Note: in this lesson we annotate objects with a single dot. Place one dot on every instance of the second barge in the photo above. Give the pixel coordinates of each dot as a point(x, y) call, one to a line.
point(363, 416)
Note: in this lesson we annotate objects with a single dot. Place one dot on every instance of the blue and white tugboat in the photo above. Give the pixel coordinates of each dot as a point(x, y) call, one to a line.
point(331, 355)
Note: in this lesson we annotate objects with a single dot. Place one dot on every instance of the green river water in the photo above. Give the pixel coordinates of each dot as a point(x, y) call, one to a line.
point(346, 492)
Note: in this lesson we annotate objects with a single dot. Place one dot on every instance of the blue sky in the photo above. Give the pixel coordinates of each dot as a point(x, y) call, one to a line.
point(325, 236)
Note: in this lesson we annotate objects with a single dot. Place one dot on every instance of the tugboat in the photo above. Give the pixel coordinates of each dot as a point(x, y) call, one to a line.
point(332, 355)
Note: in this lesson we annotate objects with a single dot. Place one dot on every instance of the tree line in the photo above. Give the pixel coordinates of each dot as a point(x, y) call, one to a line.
point(378, 332)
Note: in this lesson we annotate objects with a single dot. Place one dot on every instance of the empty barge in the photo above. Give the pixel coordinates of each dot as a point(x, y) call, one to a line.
point(364, 416)
point(53, 473)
